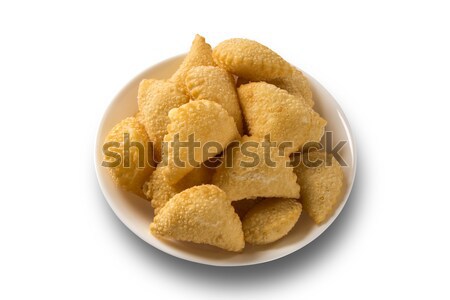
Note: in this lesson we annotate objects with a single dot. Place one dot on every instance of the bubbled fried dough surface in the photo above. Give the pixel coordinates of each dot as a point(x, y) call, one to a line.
point(155, 99)
point(250, 59)
point(270, 110)
point(321, 185)
point(296, 84)
point(200, 54)
point(270, 220)
point(243, 179)
point(159, 191)
point(207, 122)
point(201, 214)
point(133, 177)
point(215, 84)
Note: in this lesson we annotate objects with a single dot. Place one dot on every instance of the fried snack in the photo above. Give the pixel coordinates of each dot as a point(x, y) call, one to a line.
point(296, 84)
point(270, 220)
point(215, 84)
point(322, 186)
point(155, 99)
point(199, 55)
point(270, 110)
point(202, 214)
point(159, 191)
point(130, 175)
point(241, 207)
point(251, 60)
point(242, 177)
point(205, 122)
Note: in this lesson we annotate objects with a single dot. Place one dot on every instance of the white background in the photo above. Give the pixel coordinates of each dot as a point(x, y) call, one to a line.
point(387, 63)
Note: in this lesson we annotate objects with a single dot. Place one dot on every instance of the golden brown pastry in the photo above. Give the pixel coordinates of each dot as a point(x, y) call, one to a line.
point(199, 55)
point(206, 122)
point(202, 214)
point(296, 84)
point(155, 99)
point(250, 175)
point(270, 110)
point(270, 220)
point(250, 59)
point(159, 191)
point(128, 171)
point(215, 84)
point(322, 185)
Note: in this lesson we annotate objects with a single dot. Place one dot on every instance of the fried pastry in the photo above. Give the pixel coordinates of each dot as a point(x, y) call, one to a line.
point(159, 191)
point(246, 172)
point(204, 127)
point(202, 214)
point(296, 84)
point(199, 55)
point(155, 99)
point(270, 220)
point(270, 110)
point(128, 171)
point(251, 60)
point(322, 185)
point(215, 84)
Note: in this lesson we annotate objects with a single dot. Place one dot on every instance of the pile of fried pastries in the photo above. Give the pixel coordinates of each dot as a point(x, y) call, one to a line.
point(240, 91)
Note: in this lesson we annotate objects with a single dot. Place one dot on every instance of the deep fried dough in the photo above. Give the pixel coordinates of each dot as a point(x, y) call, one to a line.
point(155, 99)
point(296, 84)
point(322, 186)
point(251, 60)
point(202, 214)
point(199, 55)
point(132, 177)
point(206, 122)
point(270, 220)
point(215, 84)
point(270, 110)
point(242, 181)
point(160, 191)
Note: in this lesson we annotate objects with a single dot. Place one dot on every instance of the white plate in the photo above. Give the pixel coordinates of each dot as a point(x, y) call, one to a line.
point(137, 213)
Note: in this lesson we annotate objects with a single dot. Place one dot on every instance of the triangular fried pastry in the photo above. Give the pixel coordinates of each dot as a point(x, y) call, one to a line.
point(296, 84)
point(322, 180)
point(155, 99)
point(132, 170)
point(159, 191)
point(202, 214)
point(247, 173)
point(270, 220)
point(215, 84)
point(270, 110)
point(250, 59)
point(198, 130)
point(200, 54)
